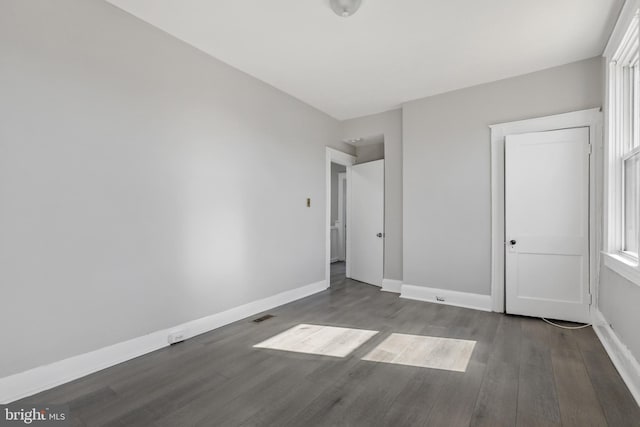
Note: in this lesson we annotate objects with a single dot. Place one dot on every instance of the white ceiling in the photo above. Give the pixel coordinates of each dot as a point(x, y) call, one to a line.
point(390, 51)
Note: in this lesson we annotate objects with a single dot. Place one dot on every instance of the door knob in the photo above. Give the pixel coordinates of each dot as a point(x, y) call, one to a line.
point(513, 242)
point(379, 235)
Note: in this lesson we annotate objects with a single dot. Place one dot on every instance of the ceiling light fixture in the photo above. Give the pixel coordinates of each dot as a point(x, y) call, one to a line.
point(345, 8)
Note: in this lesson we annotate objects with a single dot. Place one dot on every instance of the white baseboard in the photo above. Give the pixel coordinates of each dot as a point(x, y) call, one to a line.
point(42, 378)
point(391, 285)
point(620, 355)
point(444, 296)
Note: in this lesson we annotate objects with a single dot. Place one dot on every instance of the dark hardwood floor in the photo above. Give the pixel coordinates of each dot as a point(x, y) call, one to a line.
point(522, 372)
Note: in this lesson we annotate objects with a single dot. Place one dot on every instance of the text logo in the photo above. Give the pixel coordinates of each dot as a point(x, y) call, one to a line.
point(34, 415)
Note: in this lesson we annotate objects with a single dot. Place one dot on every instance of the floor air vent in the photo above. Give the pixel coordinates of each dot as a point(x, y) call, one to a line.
point(263, 318)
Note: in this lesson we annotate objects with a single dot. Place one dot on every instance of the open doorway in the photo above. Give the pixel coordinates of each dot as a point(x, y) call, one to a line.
point(338, 171)
point(355, 213)
point(338, 225)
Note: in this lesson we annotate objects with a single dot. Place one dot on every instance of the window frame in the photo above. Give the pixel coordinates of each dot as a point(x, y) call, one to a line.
point(623, 133)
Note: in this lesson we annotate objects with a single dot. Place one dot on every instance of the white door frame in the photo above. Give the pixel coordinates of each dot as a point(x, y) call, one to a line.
point(592, 119)
point(347, 160)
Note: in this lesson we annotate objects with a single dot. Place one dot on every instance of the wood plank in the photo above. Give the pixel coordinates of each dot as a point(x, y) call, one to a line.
point(496, 404)
point(620, 409)
point(537, 397)
point(577, 399)
point(456, 401)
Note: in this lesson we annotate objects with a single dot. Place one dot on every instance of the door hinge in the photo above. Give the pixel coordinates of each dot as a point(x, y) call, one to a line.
point(589, 149)
point(590, 299)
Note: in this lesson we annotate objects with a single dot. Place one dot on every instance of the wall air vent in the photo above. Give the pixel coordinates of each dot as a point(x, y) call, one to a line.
point(263, 318)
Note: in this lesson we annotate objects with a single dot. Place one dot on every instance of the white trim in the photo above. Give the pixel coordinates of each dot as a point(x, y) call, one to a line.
point(623, 266)
point(347, 160)
point(620, 355)
point(391, 285)
point(335, 259)
point(447, 297)
point(42, 378)
point(340, 157)
point(627, 14)
point(591, 118)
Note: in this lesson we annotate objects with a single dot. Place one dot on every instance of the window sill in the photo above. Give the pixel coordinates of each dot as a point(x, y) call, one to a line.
point(623, 266)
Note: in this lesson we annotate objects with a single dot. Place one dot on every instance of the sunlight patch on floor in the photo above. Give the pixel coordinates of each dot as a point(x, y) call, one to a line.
point(317, 339)
point(425, 352)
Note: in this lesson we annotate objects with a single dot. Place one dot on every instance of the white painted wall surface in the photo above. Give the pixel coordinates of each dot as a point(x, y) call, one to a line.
point(369, 152)
point(446, 168)
point(390, 125)
point(618, 300)
point(143, 183)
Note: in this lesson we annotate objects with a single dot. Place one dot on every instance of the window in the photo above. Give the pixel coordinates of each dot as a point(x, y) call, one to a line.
point(627, 63)
point(623, 213)
point(631, 168)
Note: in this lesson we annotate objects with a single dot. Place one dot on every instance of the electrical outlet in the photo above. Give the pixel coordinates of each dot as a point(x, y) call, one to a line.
point(177, 336)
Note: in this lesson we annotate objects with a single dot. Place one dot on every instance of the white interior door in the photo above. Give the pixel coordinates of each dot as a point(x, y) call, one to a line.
point(366, 225)
point(547, 224)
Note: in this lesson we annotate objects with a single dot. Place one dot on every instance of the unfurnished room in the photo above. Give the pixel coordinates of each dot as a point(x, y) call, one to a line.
point(320, 213)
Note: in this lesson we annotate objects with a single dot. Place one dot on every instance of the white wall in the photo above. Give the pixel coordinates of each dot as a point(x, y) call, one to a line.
point(388, 124)
point(619, 302)
point(369, 152)
point(446, 164)
point(143, 183)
